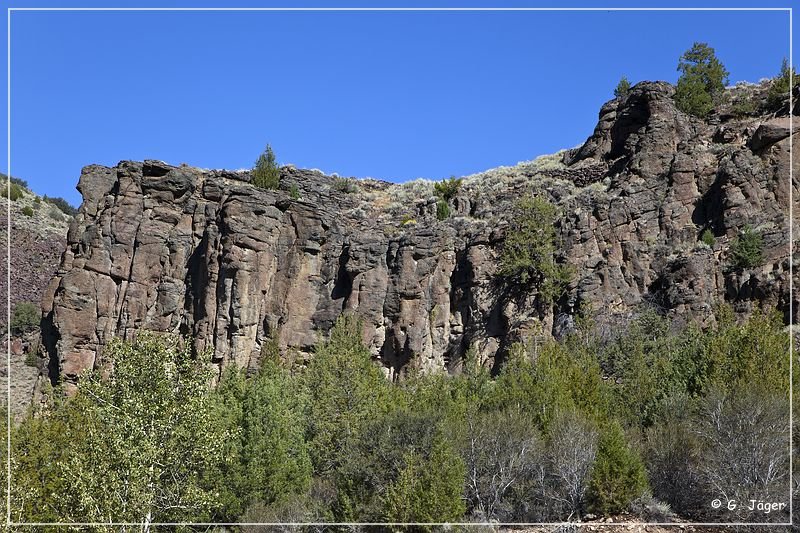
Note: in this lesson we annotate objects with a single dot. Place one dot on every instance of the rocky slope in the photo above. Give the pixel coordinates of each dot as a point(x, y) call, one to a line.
point(205, 254)
point(37, 243)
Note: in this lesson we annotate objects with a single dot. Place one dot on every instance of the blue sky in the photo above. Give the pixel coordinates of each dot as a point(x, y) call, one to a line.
point(390, 95)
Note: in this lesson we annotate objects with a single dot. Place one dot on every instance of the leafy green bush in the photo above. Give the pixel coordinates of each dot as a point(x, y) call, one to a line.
point(622, 88)
point(265, 173)
point(618, 476)
point(294, 192)
point(25, 318)
point(442, 210)
point(778, 93)
point(702, 81)
point(11, 191)
point(131, 443)
point(27, 211)
point(447, 189)
point(528, 254)
point(64, 206)
point(707, 237)
point(345, 185)
point(747, 249)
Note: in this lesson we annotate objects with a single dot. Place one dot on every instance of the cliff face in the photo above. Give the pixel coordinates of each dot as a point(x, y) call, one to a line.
point(205, 254)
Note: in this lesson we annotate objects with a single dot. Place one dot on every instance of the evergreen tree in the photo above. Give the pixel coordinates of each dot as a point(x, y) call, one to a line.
point(778, 93)
point(348, 390)
point(429, 488)
point(702, 81)
point(528, 254)
point(622, 87)
point(618, 476)
point(266, 174)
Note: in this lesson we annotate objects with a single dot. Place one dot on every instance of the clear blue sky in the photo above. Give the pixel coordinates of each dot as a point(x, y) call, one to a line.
point(388, 95)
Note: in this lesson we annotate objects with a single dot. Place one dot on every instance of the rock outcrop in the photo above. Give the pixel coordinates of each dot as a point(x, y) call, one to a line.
point(205, 254)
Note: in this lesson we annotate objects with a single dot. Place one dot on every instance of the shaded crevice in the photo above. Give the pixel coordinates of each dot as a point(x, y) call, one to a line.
point(343, 285)
point(50, 338)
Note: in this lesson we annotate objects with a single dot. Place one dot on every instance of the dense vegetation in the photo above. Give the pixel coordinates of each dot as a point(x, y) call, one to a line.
point(645, 420)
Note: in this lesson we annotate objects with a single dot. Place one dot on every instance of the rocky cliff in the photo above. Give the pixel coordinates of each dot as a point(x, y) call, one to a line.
point(205, 254)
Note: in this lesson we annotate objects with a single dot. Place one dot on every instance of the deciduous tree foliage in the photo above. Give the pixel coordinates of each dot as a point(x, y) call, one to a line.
point(133, 442)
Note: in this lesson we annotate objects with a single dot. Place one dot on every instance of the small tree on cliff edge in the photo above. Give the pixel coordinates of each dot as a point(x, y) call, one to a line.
point(703, 79)
point(622, 87)
point(266, 174)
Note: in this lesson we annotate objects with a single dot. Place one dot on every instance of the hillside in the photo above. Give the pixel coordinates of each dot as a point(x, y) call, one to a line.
point(38, 238)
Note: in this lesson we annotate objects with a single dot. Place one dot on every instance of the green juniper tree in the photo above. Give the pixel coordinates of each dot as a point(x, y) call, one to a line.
point(702, 81)
point(622, 87)
point(266, 174)
point(778, 93)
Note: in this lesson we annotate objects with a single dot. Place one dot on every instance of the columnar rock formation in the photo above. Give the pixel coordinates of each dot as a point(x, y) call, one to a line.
point(205, 254)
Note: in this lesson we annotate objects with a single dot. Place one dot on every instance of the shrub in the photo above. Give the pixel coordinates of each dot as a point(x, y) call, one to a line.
point(778, 93)
point(64, 206)
point(11, 191)
point(294, 192)
point(265, 173)
point(19, 181)
point(618, 476)
point(622, 88)
point(447, 189)
point(502, 451)
point(428, 488)
point(707, 238)
point(528, 253)
point(571, 453)
point(25, 318)
point(27, 211)
point(702, 81)
point(442, 210)
point(31, 359)
point(747, 249)
point(131, 442)
point(408, 220)
point(751, 425)
point(744, 106)
point(345, 185)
